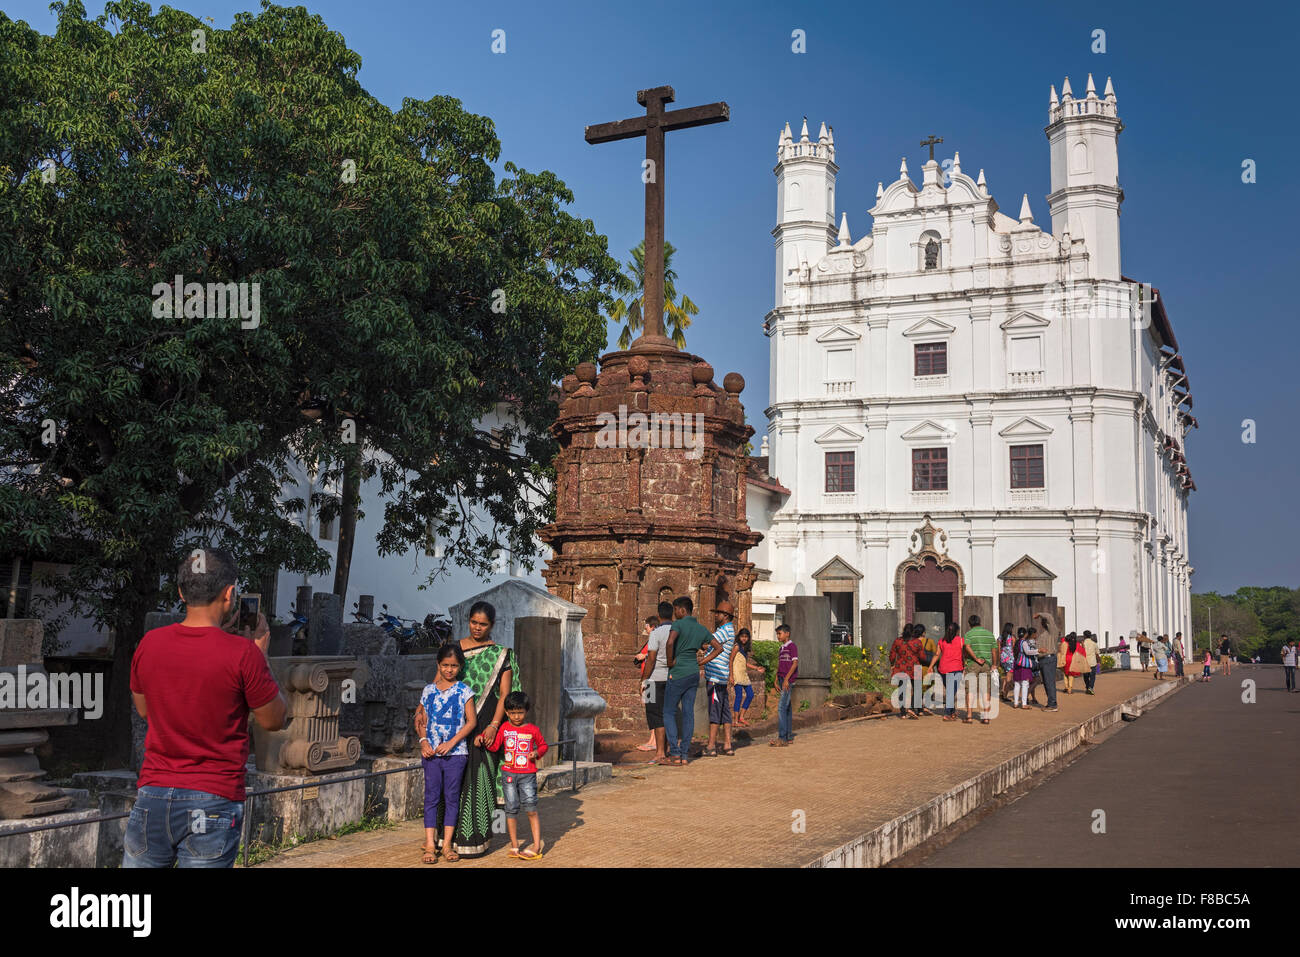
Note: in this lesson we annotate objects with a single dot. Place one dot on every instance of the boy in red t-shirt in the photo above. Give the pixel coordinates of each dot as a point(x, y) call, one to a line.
point(523, 745)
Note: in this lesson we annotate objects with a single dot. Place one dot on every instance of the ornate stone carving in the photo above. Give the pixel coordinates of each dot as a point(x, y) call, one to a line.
point(310, 742)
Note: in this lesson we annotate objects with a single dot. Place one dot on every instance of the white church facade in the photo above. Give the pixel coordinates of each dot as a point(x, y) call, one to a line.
point(1005, 382)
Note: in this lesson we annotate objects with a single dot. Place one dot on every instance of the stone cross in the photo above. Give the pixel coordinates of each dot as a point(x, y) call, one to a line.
point(931, 142)
point(652, 126)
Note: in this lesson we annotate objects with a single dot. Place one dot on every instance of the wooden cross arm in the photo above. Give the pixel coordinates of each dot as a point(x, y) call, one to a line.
point(672, 120)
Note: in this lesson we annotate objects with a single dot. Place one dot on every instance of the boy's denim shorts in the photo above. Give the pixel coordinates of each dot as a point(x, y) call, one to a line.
point(520, 792)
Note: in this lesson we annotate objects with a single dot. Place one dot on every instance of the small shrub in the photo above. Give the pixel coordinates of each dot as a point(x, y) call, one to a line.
point(1107, 662)
point(766, 655)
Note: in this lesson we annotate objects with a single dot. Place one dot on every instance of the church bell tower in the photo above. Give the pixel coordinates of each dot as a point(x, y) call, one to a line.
point(1086, 194)
point(805, 201)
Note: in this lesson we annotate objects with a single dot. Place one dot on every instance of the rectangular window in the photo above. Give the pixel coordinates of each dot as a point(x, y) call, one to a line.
point(1026, 466)
point(929, 470)
point(839, 471)
point(931, 358)
point(1026, 354)
point(839, 365)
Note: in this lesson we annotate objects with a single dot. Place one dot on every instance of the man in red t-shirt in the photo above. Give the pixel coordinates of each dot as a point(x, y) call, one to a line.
point(196, 683)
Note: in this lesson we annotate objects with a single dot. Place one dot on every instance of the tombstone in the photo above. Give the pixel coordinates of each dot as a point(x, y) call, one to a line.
point(366, 606)
point(981, 605)
point(325, 625)
point(879, 628)
point(516, 599)
point(809, 618)
point(538, 647)
point(310, 742)
point(22, 728)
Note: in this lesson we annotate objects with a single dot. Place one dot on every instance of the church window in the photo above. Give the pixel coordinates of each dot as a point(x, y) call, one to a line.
point(930, 470)
point(1026, 466)
point(932, 255)
point(839, 471)
point(931, 358)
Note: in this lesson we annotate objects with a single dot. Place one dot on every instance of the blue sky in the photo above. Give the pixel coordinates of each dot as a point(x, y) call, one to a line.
point(1200, 89)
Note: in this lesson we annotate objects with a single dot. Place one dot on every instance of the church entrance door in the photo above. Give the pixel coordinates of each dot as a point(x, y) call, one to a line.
point(932, 589)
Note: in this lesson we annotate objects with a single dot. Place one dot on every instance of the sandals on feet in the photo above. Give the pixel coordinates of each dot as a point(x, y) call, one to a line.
point(430, 855)
point(532, 852)
point(450, 855)
point(709, 753)
point(729, 752)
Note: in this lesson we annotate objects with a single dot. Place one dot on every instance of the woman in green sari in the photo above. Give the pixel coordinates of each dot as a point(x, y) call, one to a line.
point(492, 672)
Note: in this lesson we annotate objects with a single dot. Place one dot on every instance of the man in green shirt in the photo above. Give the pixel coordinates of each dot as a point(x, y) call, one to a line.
point(686, 637)
point(979, 669)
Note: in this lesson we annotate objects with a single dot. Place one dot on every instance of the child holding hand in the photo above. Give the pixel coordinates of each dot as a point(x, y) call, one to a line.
point(445, 719)
point(523, 745)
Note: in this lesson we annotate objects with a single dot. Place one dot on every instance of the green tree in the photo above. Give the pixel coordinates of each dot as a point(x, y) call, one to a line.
point(630, 287)
point(402, 288)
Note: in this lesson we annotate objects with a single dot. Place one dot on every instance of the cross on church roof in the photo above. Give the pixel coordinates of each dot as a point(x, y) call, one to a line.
point(652, 126)
point(932, 142)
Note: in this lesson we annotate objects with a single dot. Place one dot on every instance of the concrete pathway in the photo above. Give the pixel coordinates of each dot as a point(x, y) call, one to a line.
point(1203, 780)
point(770, 807)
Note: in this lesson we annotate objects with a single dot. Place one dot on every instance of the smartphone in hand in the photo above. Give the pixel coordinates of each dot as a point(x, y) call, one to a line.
point(250, 607)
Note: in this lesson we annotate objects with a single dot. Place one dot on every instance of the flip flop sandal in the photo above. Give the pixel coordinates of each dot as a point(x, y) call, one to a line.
point(430, 856)
point(709, 753)
point(528, 854)
point(663, 762)
point(729, 752)
point(450, 856)
point(512, 852)
point(984, 720)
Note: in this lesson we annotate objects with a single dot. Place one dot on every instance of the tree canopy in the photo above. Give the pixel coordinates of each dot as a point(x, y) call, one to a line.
point(1256, 619)
point(401, 289)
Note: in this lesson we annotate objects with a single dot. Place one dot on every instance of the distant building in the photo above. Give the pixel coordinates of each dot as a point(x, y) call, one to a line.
point(1009, 381)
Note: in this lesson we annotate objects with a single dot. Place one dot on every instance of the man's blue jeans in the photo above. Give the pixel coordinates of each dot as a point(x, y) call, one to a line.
point(785, 717)
point(182, 827)
point(680, 692)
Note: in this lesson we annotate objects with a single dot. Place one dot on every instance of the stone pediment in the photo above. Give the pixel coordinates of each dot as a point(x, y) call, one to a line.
point(837, 435)
point(1025, 427)
point(1025, 320)
point(899, 195)
point(1025, 569)
point(838, 334)
point(930, 327)
point(929, 429)
point(836, 568)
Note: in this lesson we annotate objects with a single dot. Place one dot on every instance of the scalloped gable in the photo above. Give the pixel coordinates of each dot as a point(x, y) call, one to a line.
point(838, 434)
point(899, 195)
point(929, 429)
point(1026, 426)
point(929, 326)
point(838, 334)
point(1026, 320)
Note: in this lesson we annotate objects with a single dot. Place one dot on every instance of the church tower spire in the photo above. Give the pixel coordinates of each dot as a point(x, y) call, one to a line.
point(1083, 137)
point(805, 202)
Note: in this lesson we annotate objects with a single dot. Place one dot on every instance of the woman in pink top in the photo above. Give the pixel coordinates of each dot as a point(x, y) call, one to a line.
point(952, 655)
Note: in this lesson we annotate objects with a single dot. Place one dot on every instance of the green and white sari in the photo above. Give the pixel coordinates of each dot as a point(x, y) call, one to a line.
point(481, 792)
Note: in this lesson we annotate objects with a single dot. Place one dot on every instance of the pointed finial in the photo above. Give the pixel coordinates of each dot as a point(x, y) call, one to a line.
point(1066, 92)
point(1109, 92)
point(821, 135)
point(902, 169)
point(844, 229)
point(1025, 215)
point(803, 136)
point(956, 161)
point(830, 136)
point(1091, 89)
point(880, 191)
point(981, 184)
point(1051, 97)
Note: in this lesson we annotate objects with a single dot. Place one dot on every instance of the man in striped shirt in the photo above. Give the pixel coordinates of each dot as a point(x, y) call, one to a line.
point(717, 674)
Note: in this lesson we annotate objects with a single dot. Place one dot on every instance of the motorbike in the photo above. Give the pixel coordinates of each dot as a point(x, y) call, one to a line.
point(298, 632)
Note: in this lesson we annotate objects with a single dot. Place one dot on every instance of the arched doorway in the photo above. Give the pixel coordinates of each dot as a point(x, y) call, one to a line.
point(929, 586)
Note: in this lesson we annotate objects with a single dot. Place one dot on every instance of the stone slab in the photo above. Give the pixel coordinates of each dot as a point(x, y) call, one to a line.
point(63, 846)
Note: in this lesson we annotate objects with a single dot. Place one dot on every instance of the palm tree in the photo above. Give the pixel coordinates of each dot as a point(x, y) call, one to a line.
point(631, 288)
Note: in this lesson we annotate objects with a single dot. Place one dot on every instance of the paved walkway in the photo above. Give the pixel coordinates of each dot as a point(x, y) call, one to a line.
point(1203, 780)
point(841, 780)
